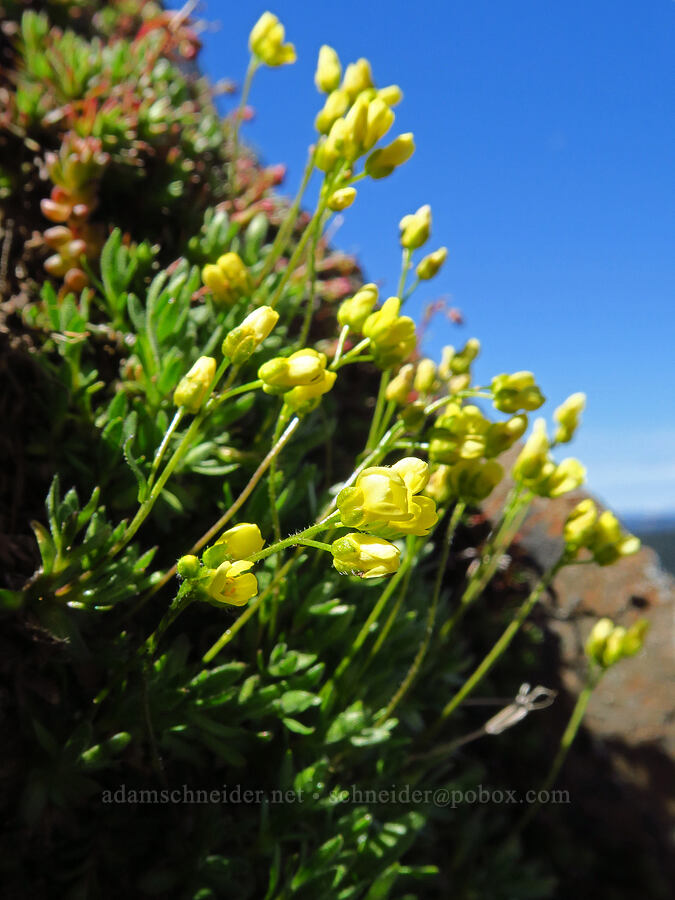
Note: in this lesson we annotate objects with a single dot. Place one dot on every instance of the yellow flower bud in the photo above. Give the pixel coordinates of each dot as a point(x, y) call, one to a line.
point(356, 309)
point(301, 368)
point(243, 340)
point(383, 161)
point(534, 454)
point(236, 543)
point(336, 105)
point(613, 650)
point(431, 264)
point(356, 129)
point(416, 228)
point(597, 640)
point(401, 385)
point(515, 392)
point(425, 376)
point(567, 416)
point(459, 363)
point(556, 480)
point(228, 280)
point(341, 199)
point(366, 555)
point(460, 433)
point(414, 472)
point(473, 480)
point(609, 542)
point(194, 388)
point(266, 41)
point(439, 488)
point(580, 525)
point(304, 398)
point(392, 336)
point(458, 383)
point(232, 583)
point(187, 566)
point(503, 435)
point(358, 77)
point(379, 120)
point(635, 637)
point(334, 147)
point(328, 70)
point(392, 94)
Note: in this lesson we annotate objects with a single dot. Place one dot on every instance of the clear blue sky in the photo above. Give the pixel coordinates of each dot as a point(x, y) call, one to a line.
point(545, 138)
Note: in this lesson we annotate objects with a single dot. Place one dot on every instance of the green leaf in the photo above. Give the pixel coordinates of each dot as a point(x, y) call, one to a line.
point(351, 721)
point(297, 727)
point(46, 546)
point(297, 701)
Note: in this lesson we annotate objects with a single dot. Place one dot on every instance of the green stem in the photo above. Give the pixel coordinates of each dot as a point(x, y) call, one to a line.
point(311, 278)
point(250, 72)
point(340, 345)
point(296, 256)
point(405, 268)
point(175, 422)
point(393, 614)
point(413, 671)
point(294, 539)
point(284, 232)
point(350, 356)
point(379, 407)
point(271, 481)
point(502, 644)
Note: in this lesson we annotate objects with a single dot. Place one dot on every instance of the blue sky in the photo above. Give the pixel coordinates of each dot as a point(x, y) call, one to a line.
point(545, 142)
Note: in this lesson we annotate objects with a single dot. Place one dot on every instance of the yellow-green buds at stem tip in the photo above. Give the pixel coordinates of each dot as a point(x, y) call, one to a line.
point(232, 584)
point(355, 310)
point(228, 280)
point(431, 265)
point(187, 566)
point(306, 397)
point(194, 388)
point(425, 376)
point(341, 199)
point(383, 161)
point(567, 416)
point(601, 535)
point(380, 118)
point(358, 77)
point(608, 643)
point(328, 70)
point(236, 543)
point(458, 363)
point(266, 41)
point(365, 555)
point(243, 340)
point(416, 228)
point(472, 480)
point(515, 392)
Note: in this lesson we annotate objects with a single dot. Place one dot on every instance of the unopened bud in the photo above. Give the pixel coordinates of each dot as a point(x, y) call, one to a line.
point(430, 266)
point(425, 376)
point(341, 199)
point(415, 228)
point(382, 162)
point(194, 388)
point(328, 70)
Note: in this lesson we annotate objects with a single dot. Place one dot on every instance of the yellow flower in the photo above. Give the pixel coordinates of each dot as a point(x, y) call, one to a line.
point(194, 388)
point(425, 376)
point(380, 118)
point(400, 386)
point(328, 70)
point(556, 480)
point(501, 436)
point(304, 398)
point(336, 105)
point(228, 280)
point(458, 363)
point(414, 472)
point(460, 433)
point(424, 517)
point(473, 480)
point(534, 455)
point(608, 643)
point(301, 368)
point(512, 393)
point(580, 524)
point(341, 199)
point(567, 416)
point(236, 543)
point(392, 94)
point(266, 41)
point(356, 309)
point(363, 554)
point(358, 77)
point(232, 583)
point(431, 264)
point(392, 336)
point(383, 161)
point(416, 228)
point(608, 542)
point(243, 340)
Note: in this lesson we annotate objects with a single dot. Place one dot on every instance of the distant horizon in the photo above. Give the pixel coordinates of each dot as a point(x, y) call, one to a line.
point(543, 147)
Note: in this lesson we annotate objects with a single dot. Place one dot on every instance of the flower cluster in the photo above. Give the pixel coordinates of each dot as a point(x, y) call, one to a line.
point(228, 279)
point(301, 377)
point(608, 643)
point(266, 42)
point(600, 534)
point(536, 470)
point(224, 576)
